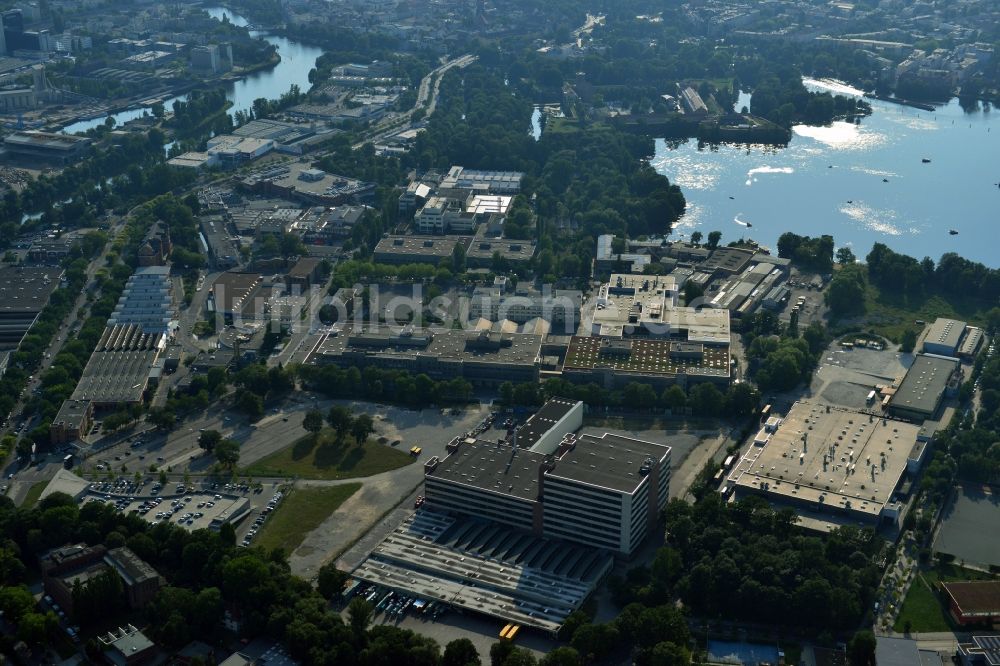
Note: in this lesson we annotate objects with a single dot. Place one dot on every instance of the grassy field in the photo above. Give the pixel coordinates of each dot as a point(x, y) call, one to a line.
point(921, 606)
point(889, 315)
point(34, 493)
point(302, 511)
point(330, 460)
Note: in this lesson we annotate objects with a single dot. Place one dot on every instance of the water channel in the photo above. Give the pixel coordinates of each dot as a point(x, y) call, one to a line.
point(296, 61)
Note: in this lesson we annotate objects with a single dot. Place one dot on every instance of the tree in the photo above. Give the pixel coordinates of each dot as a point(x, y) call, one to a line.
point(359, 615)
point(696, 237)
point(561, 656)
point(705, 400)
point(674, 398)
point(845, 256)
point(713, 239)
point(209, 439)
point(458, 259)
point(460, 652)
point(909, 341)
point(331, 580)
point(340, 419)
point(250, 404)
point(861, 649)
point(313, 422)
point(846, 293)
point(227, 452)
point(362, 428)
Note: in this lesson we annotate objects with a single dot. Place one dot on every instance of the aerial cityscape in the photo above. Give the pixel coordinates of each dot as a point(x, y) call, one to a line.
point(385, 332)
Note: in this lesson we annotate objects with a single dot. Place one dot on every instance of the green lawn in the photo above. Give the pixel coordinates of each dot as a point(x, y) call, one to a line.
point(889, 315)
point(329, 460)
point(922, 606)
point(302, 511)
point(34, 493)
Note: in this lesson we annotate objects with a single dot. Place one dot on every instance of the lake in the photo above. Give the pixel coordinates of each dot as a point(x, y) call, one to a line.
point(832, 180)
point(296, 62)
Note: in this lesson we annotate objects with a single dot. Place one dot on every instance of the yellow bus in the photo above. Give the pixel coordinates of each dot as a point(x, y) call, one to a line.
point(506, 630)
point(513, 632)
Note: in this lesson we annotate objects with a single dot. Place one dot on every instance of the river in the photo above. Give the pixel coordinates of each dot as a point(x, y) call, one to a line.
point(296, 61)
point(832, 180)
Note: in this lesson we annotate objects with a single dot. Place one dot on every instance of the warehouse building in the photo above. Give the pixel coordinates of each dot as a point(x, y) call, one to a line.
point(825, 460)
point(603, 492)
point(944, 337)
point(119, 370)
point(925, 385)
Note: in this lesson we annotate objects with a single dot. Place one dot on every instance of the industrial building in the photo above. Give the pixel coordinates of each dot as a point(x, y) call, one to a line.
point(61, 148)
point(24, 292)
point(119, 370)
point(630, 304)
point(928, 380)
point(146, 301)
point(613, 363)
point(483, 358)
point(605, 492)
point(973, 602)
point(825, 460)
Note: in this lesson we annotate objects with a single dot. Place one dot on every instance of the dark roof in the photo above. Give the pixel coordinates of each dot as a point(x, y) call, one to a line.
point(609, 461)
point(542, 421)
point(975, 597)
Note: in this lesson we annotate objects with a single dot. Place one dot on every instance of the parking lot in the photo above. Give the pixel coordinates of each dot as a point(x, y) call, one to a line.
point(206, 506)
point(846, 375)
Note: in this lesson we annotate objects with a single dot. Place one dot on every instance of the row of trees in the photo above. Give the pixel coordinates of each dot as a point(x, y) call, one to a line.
point(342, 422)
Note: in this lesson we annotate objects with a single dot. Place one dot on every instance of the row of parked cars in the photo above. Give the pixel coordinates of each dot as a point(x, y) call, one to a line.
point(259, 520)
point(397, 604)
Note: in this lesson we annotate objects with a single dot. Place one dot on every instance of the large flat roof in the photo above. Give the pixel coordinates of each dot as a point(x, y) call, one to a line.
point(492, 466)
point(118, 370)
point(27, 289)
point(543, 420)
point(831, 456)
point(645, 356)
point(945, 332)
point(924, 384)
point(609, 461)
point(508, 348)
point(435, 246)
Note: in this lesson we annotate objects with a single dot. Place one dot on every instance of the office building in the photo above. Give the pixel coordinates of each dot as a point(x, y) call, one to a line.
point(605, 492)
point(925, 385)
point(831, 463)
point(69, 566)
point(141, 581)
point(488, 245)
point(398, 250)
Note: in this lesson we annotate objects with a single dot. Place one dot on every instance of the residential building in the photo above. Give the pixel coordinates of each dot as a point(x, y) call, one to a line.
point(141, 581)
